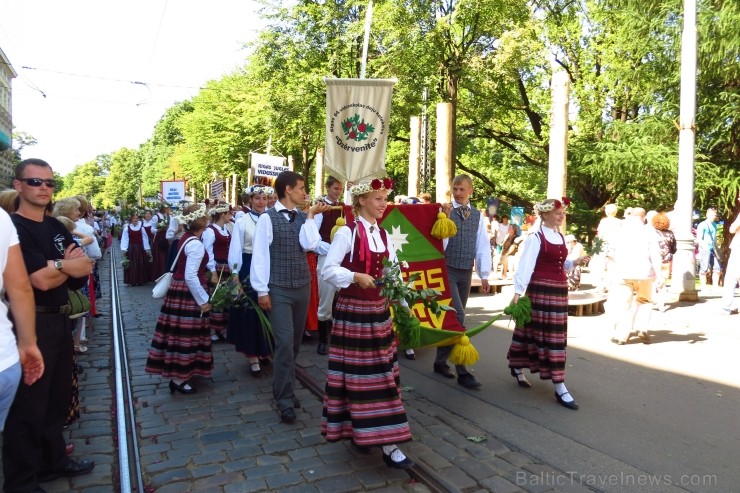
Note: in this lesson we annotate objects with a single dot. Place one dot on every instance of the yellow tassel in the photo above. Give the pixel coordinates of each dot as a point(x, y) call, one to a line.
point(463, 353)
point(339, 224)
point(444, 227)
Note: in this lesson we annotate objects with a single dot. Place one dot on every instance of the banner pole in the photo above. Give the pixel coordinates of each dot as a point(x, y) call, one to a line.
point(366, 42)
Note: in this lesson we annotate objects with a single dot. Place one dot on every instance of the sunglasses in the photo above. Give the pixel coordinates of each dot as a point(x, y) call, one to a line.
point(37, 182)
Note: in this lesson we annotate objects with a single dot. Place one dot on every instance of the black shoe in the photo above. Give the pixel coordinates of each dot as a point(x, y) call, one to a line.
point(183, 388)
point(264, 361)
point(296, 403)
point(468, 381)
point(570, 405)
point(322, 349)
point(443, 370)
point(287, 415)
point(73, 468)
point(410, 355)
point(403, 464)
point(307, 335)
point(522, 382)
point(255, 370)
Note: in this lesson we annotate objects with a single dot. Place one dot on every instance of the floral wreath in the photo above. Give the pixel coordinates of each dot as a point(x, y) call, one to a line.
point(219, 209)
point(371, 186)
point(259, 189)
point(546, 206)
point(201, 211)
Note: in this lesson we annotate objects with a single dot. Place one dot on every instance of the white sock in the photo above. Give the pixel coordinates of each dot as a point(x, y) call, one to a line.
point(563, 392)
point(394, 452)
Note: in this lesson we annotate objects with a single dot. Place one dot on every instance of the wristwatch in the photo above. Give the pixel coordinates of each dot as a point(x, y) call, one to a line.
point(58, 265)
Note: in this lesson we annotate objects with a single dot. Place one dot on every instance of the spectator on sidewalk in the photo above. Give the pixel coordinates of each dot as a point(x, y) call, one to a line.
point(540, 345)
point(362, 400)
point(33, 440)
point(602, 265)
point(637, 262)
point(667, 242)
point(732, 273)
point(467, 249)
point(575, 251)
point(706, 239)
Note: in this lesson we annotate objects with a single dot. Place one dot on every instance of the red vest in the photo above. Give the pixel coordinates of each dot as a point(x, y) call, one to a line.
point(328, 221)
point(357, 265)
point(220, 246)
point(550, 261)
point(179, 273)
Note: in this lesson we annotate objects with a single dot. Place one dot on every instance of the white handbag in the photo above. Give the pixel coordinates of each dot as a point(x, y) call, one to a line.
point(162, 284)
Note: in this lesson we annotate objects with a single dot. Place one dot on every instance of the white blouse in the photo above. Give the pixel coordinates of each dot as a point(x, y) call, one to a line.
point(209, 238)
point(241, 239)
point(341, 277)
point(194, 251)
point(124, 236)
point(528, 259)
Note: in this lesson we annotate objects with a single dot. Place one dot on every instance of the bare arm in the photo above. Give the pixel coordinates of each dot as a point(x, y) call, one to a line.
point(75, 264)
point(20, 294)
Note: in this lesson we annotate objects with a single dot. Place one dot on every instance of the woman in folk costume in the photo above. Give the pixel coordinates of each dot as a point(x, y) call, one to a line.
point(541, 344)
point(181, 346)
point(245, 330)
point(135, 247)
point(160, 244)
point(216, 239)
point(362, 399)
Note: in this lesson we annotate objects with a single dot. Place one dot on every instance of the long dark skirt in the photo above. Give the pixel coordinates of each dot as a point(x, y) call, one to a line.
point(160, 254)
point(362, 398)
point(245, 330)
point(137, 273)
point(218, 321)
point(541, 344)
point(181, 346)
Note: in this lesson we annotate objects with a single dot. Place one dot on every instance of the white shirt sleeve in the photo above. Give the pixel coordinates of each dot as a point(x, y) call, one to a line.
point(236, 247)
point(333, 272)
point(524, 270)
point(309, 236)
point(194, 250)
point(145, 239)
point(93, 249)
point(259, 271)
point(209, 238)
point(124, 238)
point(172, 229)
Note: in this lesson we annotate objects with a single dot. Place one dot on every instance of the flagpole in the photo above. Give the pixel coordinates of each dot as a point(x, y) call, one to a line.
point(366, 42)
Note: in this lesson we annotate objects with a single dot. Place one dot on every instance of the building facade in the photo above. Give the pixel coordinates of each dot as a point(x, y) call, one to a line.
point(7, 74)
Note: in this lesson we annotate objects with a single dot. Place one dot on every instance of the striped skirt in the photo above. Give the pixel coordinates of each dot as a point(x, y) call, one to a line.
point(362, 399)
point(218, 322)
point(540, 345)
point(181, 346)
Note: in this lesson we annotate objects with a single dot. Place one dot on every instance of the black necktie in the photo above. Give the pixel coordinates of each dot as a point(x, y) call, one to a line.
point(372, 229)
point(465, 211)
point(291, 215)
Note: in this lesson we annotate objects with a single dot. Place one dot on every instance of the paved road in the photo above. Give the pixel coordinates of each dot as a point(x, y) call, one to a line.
point(647, 412)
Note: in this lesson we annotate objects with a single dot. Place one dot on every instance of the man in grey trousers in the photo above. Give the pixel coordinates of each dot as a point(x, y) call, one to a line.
point(470, 245)
point(279, 273)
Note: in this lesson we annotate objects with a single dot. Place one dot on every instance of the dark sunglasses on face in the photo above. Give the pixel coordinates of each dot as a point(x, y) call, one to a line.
point(37, 182)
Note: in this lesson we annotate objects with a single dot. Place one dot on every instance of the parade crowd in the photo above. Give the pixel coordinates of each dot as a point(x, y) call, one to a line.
point(282, 268)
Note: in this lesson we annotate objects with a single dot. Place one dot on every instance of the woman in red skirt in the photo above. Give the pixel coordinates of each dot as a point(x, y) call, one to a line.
point(540, 345)
point(181, 346)
point(135, 246)
point(362, 400)
point(216, 239)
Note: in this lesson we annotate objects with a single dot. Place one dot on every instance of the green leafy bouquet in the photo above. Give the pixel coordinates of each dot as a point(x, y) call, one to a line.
point(597, 246)
point(125, 262)
point(396, 290)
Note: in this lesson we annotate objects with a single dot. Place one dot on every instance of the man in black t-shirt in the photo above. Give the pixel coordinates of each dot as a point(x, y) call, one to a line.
point(33, 443)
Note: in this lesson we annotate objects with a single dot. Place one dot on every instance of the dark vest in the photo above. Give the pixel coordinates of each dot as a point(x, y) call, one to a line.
point(220, 246)
point(460, 251)
point(550, 261)
point(134, 237)
point(288, 264)
point(179, 273)
point(357, 265)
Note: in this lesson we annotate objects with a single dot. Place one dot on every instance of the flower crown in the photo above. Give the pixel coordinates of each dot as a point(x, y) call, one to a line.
point(201, 211)
point(219, 209)
point(371, 186)
point(259, 189)
point(546, 206)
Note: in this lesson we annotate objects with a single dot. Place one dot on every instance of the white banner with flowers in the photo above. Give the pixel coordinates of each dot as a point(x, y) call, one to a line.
point(357, 117)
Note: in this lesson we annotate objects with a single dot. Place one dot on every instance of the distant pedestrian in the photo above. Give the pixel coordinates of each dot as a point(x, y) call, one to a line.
point(540, 345)
point(732, 273)
point(362, 399)
point(709, 259)
point(637, 263)
point(135, 247)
